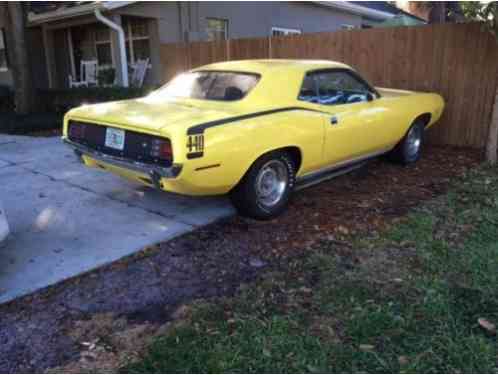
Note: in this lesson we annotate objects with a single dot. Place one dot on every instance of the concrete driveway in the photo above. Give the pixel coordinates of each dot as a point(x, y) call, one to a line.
point(66, 219)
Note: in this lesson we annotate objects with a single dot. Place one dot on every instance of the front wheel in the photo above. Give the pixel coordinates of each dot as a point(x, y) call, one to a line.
point(264, 192)
point(409, 150)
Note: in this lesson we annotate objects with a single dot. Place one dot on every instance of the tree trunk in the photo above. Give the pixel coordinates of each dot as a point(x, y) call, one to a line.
point(24, 95)
point(437, 13)
point(492, 141)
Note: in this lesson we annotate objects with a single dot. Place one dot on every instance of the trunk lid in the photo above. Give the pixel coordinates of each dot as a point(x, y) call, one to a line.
point(153, 114)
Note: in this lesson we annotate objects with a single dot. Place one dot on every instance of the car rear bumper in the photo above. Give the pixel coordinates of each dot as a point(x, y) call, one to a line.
point(156, 173)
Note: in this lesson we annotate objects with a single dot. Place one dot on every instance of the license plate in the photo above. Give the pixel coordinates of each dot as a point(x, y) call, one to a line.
point(115, 138)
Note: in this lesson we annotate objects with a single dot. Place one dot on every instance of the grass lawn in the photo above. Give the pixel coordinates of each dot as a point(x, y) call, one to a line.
point(407, 300)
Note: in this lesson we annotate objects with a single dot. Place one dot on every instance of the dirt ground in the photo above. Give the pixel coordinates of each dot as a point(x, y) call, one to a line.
point(99, 320)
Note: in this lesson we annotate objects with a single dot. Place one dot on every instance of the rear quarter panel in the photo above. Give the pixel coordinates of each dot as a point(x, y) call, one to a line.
point(236, 145)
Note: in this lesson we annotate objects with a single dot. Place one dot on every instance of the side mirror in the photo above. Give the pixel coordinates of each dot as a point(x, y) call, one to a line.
point(370, 96)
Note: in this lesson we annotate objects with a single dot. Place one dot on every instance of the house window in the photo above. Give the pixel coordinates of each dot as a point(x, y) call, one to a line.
point(347, 27)
point(217, 29)
point(137, 40)
point(103, 47)
point(280, 31)
point(3, 51)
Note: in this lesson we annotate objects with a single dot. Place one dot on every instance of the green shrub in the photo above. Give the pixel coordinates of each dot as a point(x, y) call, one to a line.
point(6, 99)
point(107, 76)
point(62, 100)
point(13, 123)
point(54, 103)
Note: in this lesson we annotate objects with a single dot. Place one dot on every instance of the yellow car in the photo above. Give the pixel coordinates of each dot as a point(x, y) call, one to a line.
point(257, 129)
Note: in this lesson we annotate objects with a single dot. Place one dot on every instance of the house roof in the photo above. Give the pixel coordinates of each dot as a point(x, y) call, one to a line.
point(47, 11)
point(356, 7)
point(401, 20)
point(385, 6)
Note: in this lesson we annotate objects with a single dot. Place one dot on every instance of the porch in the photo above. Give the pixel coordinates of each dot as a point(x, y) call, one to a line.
point(69, 43)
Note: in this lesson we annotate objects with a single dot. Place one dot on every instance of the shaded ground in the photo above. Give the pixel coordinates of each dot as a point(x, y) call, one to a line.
point(58, 326)
point(419, 297)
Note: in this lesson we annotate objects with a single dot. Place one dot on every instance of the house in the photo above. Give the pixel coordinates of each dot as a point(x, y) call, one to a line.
point(118, 33)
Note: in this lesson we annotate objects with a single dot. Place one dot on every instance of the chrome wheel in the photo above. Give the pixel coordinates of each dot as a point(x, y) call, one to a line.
point(414, 141)
point(271, 182)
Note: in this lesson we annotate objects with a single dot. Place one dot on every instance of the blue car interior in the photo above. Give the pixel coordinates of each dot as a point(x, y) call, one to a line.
point(333, 97)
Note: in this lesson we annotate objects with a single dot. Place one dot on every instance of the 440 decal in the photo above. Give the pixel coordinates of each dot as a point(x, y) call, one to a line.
point(195, 146)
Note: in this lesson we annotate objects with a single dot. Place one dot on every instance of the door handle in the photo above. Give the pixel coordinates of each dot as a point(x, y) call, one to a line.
point(334, 120)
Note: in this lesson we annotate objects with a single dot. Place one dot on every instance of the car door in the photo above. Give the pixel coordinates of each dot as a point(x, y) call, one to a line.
point(350, 114)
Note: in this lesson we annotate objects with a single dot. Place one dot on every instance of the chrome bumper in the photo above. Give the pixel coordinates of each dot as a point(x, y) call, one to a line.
point(153, 171)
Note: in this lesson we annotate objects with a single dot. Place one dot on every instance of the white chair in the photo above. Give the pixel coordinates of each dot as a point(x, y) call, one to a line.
point(138, 73)
point(88, 74)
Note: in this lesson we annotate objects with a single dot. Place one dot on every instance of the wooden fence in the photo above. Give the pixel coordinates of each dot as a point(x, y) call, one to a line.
point(459, 61)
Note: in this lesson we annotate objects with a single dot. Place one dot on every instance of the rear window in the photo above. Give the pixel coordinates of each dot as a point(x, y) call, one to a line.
point(210, 85)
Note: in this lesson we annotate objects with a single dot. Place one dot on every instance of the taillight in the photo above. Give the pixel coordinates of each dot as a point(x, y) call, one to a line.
point(161, 149)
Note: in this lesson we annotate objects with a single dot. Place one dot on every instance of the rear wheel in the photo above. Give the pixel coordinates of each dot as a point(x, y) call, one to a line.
point(265, 190)
point(409, 150)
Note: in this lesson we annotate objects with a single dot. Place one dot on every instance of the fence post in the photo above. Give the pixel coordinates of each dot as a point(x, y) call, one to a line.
point(492, 140)
point(269, 47)
point(188, 48)
point(227, 57)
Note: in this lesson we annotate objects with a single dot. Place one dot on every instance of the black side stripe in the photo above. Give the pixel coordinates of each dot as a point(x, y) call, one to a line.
point(208, 167)
point(199, 129)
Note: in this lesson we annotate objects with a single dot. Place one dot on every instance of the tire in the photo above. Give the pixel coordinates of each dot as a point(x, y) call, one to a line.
point(409, 149)
point(264, 192)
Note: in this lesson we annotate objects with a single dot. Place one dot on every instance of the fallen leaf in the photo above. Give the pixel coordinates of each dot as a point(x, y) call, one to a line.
point(312, 369)
point(403, 360)
point(487, 325)
point(366, 347)
point(342, 229)
point(88, 355)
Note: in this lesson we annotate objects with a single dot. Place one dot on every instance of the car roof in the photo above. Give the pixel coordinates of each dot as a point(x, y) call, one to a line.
point(267, 65)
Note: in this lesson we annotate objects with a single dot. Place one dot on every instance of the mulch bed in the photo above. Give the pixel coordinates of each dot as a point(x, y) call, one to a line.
point(366, 200)
point(214, 260)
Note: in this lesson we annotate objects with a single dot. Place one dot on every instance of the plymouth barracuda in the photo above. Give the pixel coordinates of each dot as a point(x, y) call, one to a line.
point(256, 129)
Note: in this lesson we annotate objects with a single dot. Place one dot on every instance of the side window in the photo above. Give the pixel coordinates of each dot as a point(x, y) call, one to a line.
point(308, 92)
point(340, 87)
point(279, 31)
point(217, 29)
